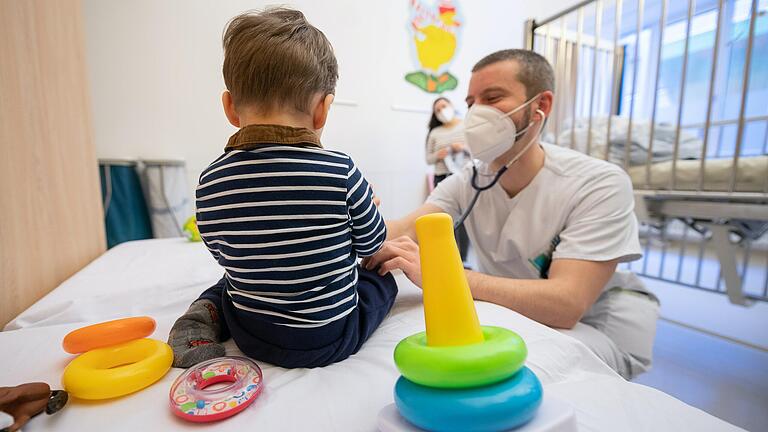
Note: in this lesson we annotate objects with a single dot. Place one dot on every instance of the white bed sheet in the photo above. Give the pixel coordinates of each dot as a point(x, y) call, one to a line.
point(752, 175)
point(161, 277)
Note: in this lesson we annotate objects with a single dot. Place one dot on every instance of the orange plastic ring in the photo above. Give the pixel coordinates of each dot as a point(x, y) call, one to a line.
point(108, 333)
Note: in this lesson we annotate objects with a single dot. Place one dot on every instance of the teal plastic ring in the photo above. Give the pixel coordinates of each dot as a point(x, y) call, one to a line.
point(498, 407)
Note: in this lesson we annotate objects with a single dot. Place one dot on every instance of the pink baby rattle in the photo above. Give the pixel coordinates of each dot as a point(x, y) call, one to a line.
point(192, 397)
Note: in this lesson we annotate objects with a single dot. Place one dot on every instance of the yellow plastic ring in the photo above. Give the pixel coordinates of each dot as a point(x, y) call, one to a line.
point(497, 358)
point(117, 370)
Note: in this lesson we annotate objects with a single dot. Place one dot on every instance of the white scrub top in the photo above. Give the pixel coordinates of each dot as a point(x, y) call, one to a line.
point(576, 207)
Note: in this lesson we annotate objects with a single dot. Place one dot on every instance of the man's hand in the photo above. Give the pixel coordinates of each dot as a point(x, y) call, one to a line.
point(401, 253)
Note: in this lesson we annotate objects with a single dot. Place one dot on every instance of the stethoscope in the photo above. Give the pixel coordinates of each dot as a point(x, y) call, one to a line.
point(479, 189)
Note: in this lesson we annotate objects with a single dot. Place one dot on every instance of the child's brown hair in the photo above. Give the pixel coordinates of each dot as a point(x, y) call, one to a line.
point(276, 60)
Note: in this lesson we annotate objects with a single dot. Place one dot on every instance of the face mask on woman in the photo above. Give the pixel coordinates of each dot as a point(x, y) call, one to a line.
point(446, 114)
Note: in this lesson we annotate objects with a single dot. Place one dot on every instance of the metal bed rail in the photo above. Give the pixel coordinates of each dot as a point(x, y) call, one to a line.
point(691, 260)
point(581, 32)
point(706, 245)
point(699, 233)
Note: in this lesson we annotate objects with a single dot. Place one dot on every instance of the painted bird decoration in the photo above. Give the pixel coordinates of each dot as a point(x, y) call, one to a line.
point(435, 31)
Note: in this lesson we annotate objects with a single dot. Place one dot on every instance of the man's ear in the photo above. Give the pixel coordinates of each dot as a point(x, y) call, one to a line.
point(545, 103)
point(320, 113)
point(229, 109)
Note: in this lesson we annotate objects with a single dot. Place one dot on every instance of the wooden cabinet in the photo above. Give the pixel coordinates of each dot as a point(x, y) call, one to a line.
point(51, 222)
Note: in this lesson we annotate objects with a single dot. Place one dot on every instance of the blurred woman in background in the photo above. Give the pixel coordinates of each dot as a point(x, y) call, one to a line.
point(446, 151)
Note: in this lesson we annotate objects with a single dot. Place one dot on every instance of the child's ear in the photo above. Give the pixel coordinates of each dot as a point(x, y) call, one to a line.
point(320, 115)
point(229, 109)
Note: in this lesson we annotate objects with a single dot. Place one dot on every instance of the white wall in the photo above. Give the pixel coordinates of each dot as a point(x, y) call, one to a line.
point(155, 70)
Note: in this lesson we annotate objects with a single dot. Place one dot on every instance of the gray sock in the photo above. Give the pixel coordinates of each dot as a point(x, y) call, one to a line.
point(195, 336)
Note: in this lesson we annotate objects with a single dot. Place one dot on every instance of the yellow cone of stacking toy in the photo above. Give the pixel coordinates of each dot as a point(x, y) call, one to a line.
point(448, 307)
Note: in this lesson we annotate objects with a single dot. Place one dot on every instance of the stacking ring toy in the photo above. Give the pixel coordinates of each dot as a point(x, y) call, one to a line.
point(497, 358)
point(108, 333)
point(192, 400)
point(501, 406)
point(117, 370)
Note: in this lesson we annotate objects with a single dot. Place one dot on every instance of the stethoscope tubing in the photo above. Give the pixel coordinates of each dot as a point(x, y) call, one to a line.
point(478, 189)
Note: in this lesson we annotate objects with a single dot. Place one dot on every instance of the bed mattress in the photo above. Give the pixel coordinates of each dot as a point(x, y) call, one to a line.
point(160, 278)
point(752, 175)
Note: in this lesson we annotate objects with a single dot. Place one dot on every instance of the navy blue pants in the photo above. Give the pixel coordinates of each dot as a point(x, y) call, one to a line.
point(307, 347)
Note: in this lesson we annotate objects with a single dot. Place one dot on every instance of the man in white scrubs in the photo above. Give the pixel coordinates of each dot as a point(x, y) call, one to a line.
point(550, 234)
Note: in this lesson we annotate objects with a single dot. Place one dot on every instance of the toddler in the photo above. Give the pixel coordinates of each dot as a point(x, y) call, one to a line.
point(285, 217)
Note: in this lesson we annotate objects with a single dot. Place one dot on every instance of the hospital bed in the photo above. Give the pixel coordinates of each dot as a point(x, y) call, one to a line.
point(161, 277)
point(661, 88)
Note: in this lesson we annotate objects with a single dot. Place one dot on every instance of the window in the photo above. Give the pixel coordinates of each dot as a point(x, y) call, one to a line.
point(729, 73)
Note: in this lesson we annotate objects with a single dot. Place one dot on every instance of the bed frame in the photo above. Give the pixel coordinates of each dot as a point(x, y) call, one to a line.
point(699, 237)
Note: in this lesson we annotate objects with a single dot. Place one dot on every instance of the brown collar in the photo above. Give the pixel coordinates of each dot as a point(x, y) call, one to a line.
point(257, 135)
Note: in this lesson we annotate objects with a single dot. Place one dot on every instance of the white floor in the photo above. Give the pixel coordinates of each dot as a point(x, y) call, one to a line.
point(725, 375)
point(723, 378)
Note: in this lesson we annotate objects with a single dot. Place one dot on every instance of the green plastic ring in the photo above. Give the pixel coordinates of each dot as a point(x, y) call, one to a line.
point(499, 357)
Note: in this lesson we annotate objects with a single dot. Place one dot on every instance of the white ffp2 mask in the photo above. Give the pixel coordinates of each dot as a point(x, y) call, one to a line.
point(446, 114)
point(490, 132)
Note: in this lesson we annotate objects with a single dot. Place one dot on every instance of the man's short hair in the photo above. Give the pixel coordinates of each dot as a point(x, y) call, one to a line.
point(534, 71)
point(277, 60)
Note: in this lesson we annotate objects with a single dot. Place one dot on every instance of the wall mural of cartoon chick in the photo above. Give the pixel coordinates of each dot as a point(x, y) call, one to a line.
point(435, 30)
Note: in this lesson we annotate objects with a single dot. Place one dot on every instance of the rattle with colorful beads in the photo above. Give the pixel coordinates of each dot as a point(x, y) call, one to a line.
point(198, 395)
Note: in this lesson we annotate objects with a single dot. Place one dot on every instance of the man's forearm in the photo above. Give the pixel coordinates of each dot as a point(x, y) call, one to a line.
point(398, 228)
point(405, 226)
point(541, 300)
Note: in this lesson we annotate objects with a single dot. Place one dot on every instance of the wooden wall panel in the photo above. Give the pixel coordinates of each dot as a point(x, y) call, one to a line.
point(51, 221)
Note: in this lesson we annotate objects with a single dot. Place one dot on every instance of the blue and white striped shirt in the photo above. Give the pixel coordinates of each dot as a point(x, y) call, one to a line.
point(288, 223)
